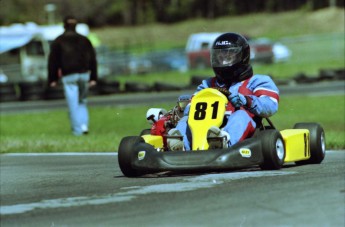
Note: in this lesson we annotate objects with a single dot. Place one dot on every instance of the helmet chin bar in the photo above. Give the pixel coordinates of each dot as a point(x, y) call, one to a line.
point(231, 74)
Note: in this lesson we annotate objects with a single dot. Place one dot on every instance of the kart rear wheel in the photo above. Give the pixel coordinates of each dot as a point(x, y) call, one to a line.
point(126, 155)
point(145, 132)
point(273, 149)
point(317, 142)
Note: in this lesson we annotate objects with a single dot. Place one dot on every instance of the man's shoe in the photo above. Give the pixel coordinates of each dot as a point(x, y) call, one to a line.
point(175, 144)
point(84, 129)
point(217, 139)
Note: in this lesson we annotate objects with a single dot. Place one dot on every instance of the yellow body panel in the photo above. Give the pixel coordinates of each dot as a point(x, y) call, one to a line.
point(297, 145)
point(156, 141)
point(207, 110)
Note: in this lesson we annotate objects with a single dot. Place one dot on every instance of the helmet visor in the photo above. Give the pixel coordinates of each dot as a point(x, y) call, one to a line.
point(226, 57)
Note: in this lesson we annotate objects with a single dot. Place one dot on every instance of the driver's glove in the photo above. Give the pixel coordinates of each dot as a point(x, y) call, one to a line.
point(237, 100)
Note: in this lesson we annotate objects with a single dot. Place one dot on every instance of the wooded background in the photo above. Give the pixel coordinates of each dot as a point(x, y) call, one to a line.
point(136, 12)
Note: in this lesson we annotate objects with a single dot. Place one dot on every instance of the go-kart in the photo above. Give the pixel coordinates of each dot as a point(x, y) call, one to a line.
point(268, 148)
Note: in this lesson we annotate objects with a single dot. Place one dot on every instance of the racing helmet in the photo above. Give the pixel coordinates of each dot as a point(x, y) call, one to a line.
point(230, 54)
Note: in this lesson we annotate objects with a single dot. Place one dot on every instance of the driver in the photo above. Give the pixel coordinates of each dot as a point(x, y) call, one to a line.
point(250, 96)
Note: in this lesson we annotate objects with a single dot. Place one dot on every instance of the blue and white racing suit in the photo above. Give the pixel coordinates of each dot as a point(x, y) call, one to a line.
point(262, 102)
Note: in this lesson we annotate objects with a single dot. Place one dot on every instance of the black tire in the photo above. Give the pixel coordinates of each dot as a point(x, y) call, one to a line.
point(108, 87)
point(145, 132)
point(31, 90)
point(158, 86)
point(8, 92)
point(273, 149)
point(52, 93)
point(126, 155)
point(317, 141)
point(137, 87)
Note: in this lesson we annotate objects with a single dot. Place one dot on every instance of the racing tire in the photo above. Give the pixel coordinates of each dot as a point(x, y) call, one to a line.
point(126, 155)
point(8, 92)
point(52, 93)
point(273, 149)
point(137, 87)
point(145, 132)
point(165, 87)
point(108, 87)
point(31, 91)
point(317, 142)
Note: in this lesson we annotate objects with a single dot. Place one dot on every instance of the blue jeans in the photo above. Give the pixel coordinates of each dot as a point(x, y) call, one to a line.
point(76, 88)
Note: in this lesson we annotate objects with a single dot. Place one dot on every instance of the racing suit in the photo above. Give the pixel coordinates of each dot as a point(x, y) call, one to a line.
point(262, 97)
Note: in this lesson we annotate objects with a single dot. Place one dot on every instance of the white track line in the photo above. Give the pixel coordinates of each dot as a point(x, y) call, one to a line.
point(130, 193)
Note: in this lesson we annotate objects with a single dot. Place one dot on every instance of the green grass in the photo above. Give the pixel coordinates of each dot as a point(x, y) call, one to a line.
point(49, 131)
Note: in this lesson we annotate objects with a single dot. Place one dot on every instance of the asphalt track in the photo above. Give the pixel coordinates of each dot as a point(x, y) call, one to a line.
point(90, 190)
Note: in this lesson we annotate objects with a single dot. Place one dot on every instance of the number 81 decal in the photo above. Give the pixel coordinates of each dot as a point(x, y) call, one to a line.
point(200, 110)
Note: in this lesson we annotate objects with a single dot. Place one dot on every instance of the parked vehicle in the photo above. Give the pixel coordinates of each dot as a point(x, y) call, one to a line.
point(25, 48)
point(172, 60)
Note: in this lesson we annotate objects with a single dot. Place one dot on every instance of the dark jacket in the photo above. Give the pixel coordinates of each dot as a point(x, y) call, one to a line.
point(71, 53)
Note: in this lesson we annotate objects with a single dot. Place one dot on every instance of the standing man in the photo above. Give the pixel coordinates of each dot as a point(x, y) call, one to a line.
point(73, 57)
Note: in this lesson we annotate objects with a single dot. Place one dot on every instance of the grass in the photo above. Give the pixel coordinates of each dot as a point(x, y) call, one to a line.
point(49, 131)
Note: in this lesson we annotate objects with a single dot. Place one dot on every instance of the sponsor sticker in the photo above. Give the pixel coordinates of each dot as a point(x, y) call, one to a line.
point(141, 155)
point(222, 43)
point(245, 152)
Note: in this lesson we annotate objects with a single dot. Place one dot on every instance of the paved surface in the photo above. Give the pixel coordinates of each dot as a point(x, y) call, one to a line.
point(90, 190)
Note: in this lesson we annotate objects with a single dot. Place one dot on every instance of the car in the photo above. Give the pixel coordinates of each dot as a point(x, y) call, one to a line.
point(171, 60)
point(281, 52)
point(261, 50)
point(268, 148)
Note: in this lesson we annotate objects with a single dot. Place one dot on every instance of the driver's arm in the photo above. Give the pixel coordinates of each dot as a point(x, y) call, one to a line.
point(265, 98)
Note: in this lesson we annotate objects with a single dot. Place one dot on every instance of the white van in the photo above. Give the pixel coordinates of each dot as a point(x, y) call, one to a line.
point(24, 49)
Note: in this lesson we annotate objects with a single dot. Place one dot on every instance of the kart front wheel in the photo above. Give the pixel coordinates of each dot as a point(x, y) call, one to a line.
point(273, 149)
point(126, 155)
point(317, 142)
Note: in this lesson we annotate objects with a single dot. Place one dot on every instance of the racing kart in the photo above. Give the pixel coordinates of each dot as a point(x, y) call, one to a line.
point(268, 148)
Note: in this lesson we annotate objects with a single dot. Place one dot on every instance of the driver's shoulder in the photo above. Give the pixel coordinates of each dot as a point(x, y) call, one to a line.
point(258, 79)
